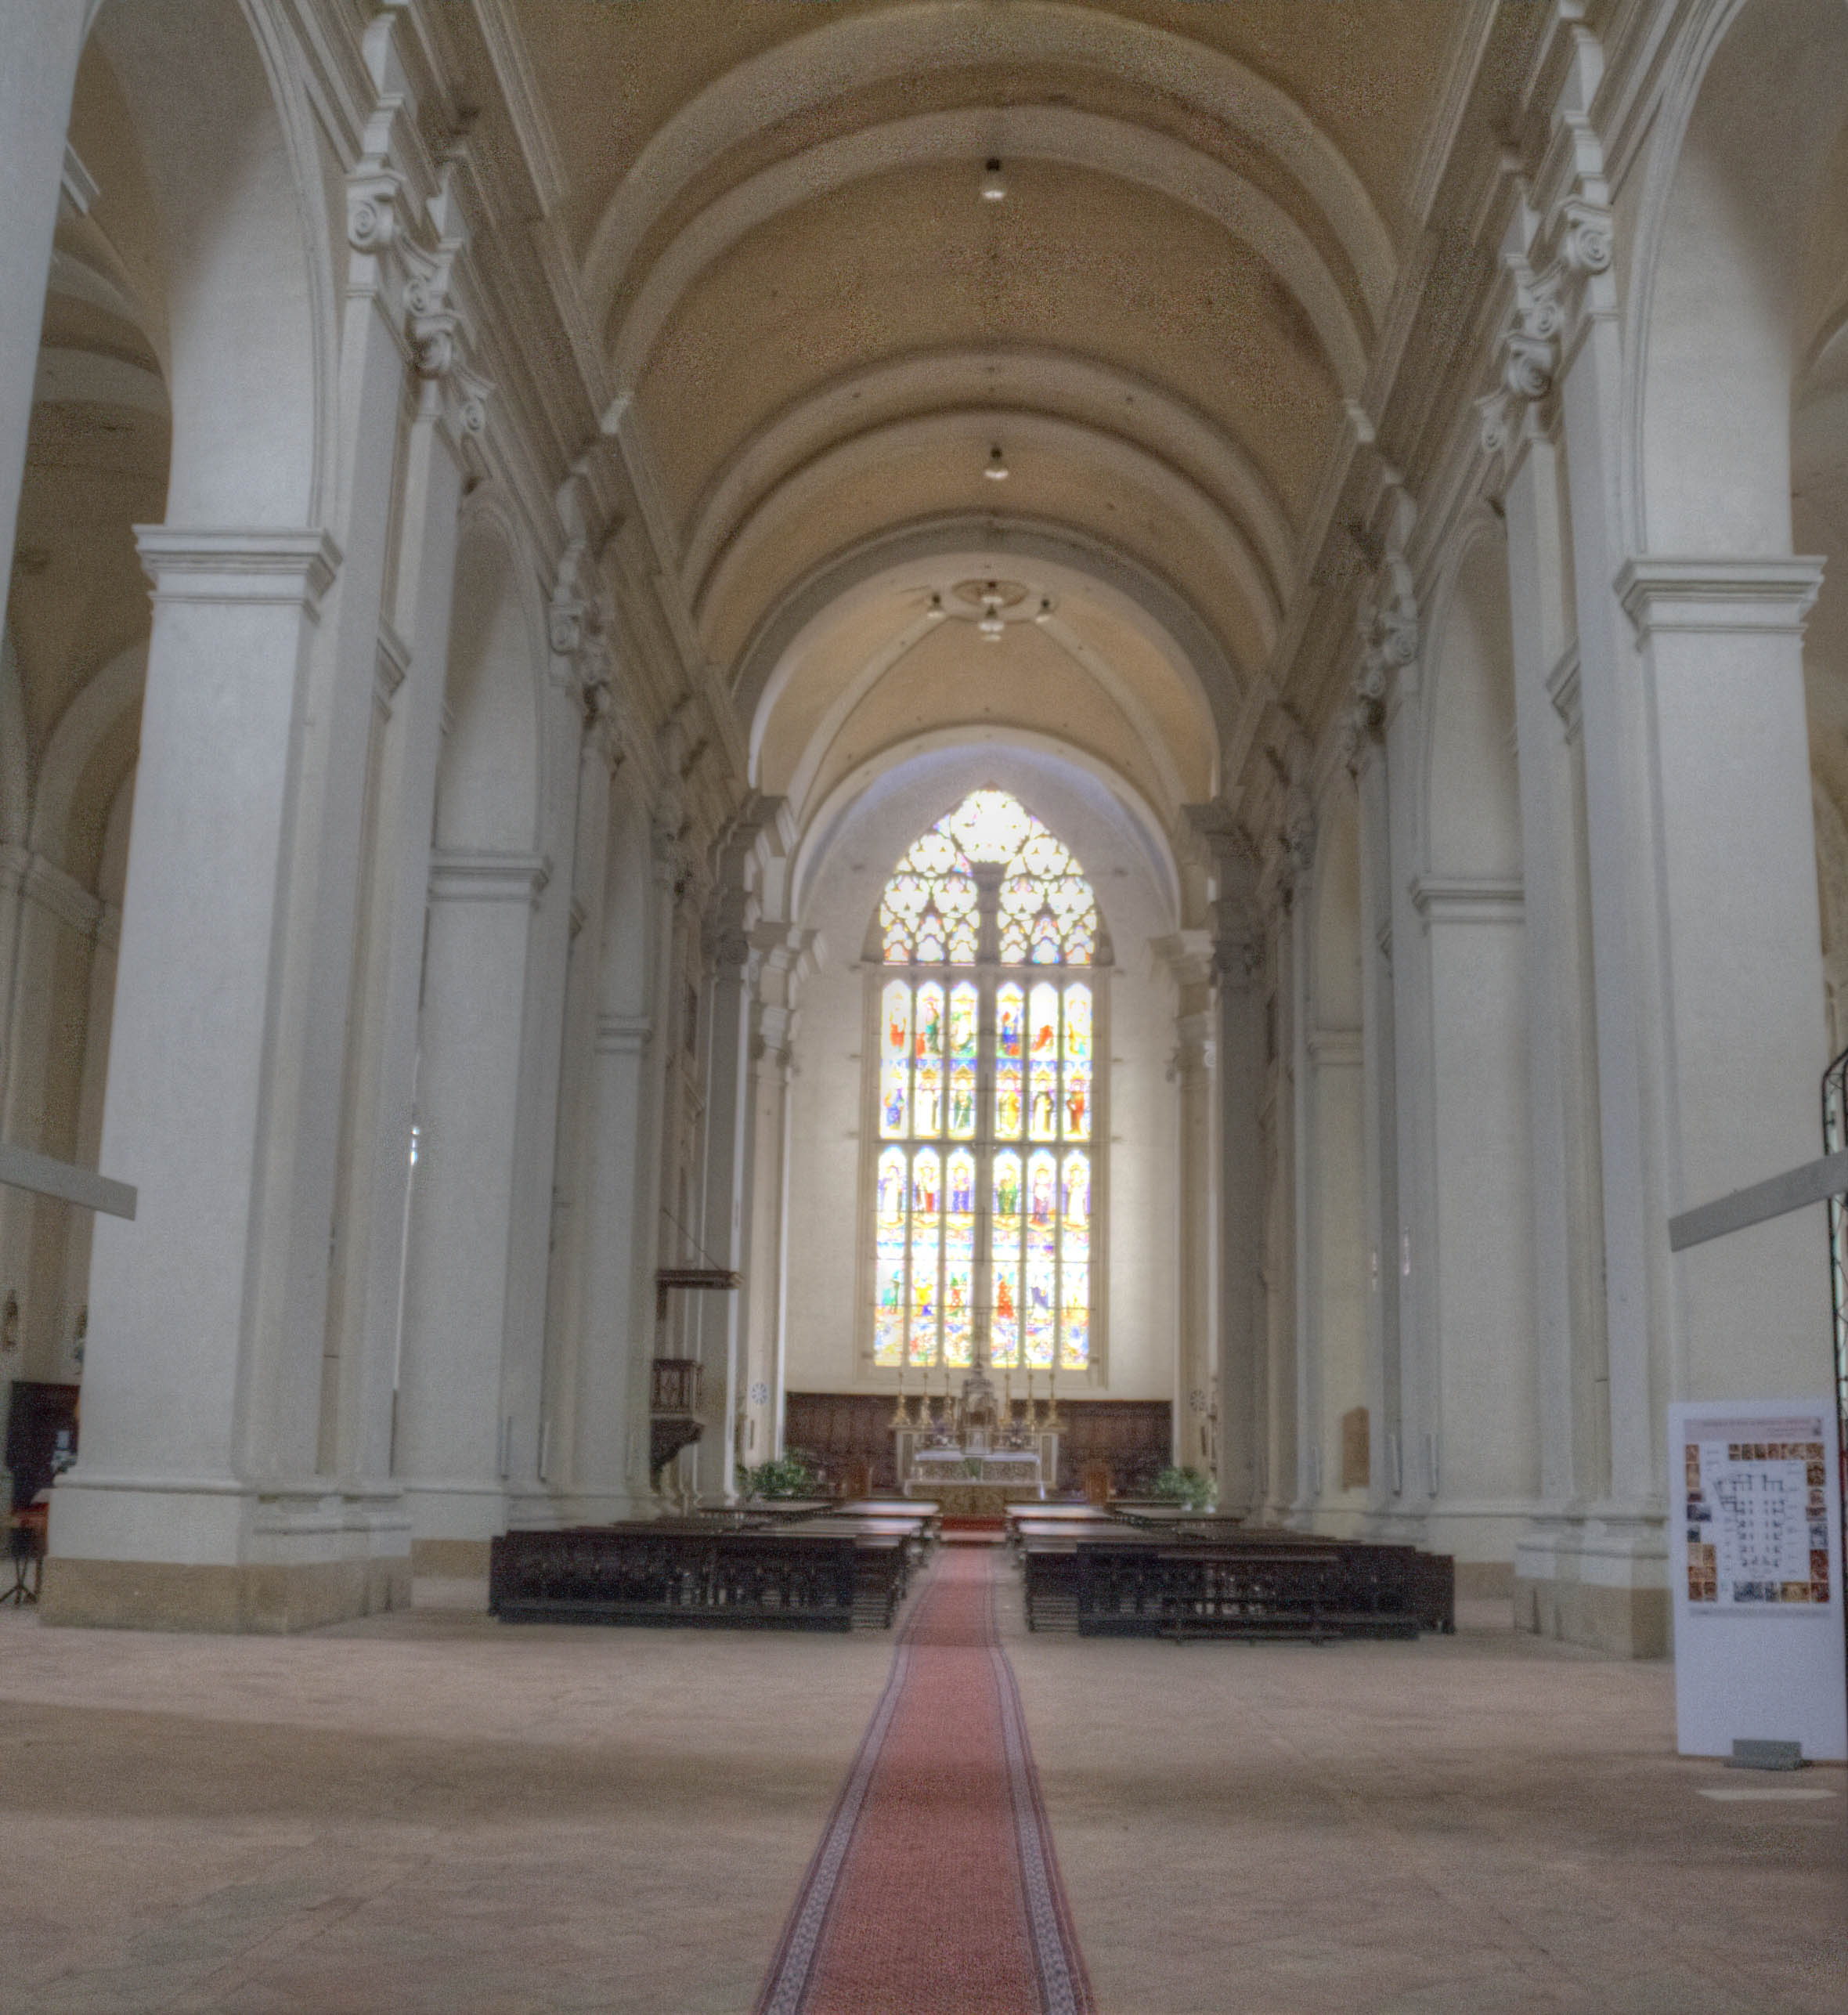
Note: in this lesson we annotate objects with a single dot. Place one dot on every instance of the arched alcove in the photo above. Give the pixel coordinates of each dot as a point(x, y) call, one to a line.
point(1724, 230)
point(245, 334)
point(487, 794)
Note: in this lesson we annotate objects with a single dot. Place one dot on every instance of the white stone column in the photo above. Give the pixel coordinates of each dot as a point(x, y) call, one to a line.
point(629, 1158)
point(729, 1015)
point(1380, 1127)
point(178, 1509)
point(1285, 1475)
point(1417, 1468)
point(1733, 871)
point(572, 1235)
point(1238, 1059)
point(1188, 957)
point(1531, 504)
point(1310, 1451)
point(40, 43)
point(535, 1134)
point(615, 1257)
point(420, 614)
point(786, 957)
point(1624, 1558)
point(454, 1456)
point(1572, 1366)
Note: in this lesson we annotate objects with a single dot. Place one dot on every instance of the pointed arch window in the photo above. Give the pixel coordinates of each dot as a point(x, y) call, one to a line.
point(985, 1094)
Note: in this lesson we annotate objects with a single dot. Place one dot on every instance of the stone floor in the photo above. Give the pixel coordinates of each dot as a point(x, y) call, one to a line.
point(427, 1812)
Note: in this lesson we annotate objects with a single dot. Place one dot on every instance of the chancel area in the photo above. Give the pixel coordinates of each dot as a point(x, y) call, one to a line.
point(920, 928)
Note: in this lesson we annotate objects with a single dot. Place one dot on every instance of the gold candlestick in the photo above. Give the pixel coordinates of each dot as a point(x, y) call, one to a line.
point(899, 1417)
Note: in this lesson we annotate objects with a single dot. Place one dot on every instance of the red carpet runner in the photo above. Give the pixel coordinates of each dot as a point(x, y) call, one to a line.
point(935, 1891)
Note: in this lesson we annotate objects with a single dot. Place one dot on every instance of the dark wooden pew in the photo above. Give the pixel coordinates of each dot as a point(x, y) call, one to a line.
point(1174, 1580)
point(823, 1574)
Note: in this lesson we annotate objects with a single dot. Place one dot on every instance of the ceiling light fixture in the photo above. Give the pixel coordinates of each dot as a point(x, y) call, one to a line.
point(936, 611)
point(997, 470)
point(994, 185)
point(992, 626)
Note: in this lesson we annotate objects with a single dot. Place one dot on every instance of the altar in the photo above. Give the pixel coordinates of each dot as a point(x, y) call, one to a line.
point(974, 1453)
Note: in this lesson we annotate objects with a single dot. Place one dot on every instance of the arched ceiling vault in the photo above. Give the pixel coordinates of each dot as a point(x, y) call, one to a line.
point(817, 331)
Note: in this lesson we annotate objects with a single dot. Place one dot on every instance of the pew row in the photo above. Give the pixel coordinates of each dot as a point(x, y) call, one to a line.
point(821, 1574)
point(1104, 1578)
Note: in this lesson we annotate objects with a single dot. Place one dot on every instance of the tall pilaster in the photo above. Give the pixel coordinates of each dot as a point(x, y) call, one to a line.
point(1380, 1124)
point(454, 1452)
point(416, 433)
point(441, 445)
point(194, 1498)
point(731, 1016)
point(1239, 1054)
point(1572, 1366)
point(1188, 956)
point(786, 956)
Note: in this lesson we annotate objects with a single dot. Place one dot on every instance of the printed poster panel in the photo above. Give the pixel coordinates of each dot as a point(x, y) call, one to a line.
point(1757, 1568)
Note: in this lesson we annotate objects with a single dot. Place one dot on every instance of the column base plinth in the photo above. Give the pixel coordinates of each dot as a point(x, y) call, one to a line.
point(253, 1597)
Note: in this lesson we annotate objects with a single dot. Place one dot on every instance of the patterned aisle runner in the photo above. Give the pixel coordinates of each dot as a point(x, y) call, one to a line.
point(934, 1891)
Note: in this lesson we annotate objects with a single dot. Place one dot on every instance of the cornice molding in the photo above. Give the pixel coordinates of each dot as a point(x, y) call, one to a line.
point(241, 565)
point(471, 875)
point(1468, 898)
point(1718, 596)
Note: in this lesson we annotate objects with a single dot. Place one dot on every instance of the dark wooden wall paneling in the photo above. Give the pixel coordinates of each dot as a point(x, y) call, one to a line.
point(1134, 1437)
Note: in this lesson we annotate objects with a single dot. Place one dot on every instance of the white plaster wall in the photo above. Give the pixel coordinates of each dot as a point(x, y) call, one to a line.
point(840, 894)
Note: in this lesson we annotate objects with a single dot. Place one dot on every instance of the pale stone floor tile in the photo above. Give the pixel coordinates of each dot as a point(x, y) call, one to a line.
point(426, 1814)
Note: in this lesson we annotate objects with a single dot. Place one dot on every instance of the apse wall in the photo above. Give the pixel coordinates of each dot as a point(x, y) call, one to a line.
point(826, 1328)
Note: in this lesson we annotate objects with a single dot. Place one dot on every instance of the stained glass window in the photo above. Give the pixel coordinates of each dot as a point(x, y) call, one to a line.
point(983, 1230)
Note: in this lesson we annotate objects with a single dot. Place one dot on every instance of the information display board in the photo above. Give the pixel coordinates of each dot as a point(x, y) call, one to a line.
point(1757, 1577)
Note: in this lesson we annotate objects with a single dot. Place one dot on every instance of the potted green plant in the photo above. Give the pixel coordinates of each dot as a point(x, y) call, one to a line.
point(784, 1476)
point(1188, 1487)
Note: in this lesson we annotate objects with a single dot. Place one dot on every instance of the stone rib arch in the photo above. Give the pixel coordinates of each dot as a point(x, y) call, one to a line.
point(852, 690)
point(1738, 147)
point(1056, 383)
point(1152, 836)
point(1067, 137)
point(811, 69)
point(1469, 611)
point(16, 759)
point(1155, 607)
point(491, 782)
point(93, 715)
point(805, 486)
point(236, 172)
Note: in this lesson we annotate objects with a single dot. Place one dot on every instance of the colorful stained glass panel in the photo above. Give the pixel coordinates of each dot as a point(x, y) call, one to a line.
point(1077, 1024)
point(962, 1102)
point(965, 1017)
point(1077, 1103)
point(1010, 1022)
point(930, 1018)
point(894, 1101)
point(888, 1324)
point(896, 1039)
point(1039, 1313)
point(1008, 1102)
point(1003, 1320)
point(1043, 1022)
point(927, 1115)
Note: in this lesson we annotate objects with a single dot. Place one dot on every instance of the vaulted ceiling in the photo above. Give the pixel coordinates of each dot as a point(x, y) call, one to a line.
point(818, 330)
